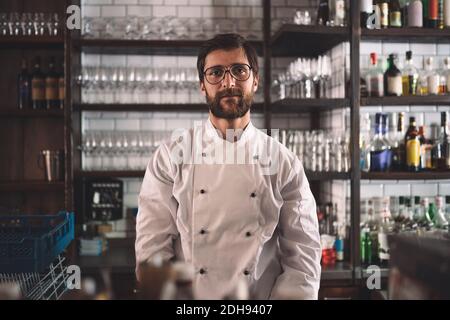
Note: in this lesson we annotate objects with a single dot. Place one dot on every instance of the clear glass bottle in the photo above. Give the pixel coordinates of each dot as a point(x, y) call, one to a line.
point(364, 142)
point(440, 219)
point(374, 78)
point(445, 76)
point(433, 77)
point(410, 76)
point(385, 227)
point(380, 153)
point(441, 149)
point(337, 8)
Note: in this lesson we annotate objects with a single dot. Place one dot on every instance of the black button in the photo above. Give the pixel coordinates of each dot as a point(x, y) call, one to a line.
point(253, 195)
point(248, 234)
point(203, 154)
point(202, 231)
point(246, 272)
point(202, 191)
point(202, 271)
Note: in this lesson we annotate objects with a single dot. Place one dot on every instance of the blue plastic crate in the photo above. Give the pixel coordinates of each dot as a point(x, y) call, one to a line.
point(31, 243)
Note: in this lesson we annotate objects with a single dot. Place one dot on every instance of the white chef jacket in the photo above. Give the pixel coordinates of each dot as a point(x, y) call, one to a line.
point(254, 220)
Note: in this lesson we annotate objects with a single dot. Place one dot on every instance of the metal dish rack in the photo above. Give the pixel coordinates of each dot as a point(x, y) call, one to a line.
point(31, 254)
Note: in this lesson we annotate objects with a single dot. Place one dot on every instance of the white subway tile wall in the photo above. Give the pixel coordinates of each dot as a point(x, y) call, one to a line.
point(242, 10)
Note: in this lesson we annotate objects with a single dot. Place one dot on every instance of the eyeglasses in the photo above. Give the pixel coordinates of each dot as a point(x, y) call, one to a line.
point(240, 72)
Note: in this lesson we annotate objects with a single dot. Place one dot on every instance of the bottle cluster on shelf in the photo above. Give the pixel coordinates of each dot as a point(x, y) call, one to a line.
point(383, 216)
point(397, 150)
point(409, 81)
point(333, 233)
point(319, 150)
point(29, 24)
point(331, 13)
point(305, 79)
point(38, 89)
point(119, 150)
point(377, 14)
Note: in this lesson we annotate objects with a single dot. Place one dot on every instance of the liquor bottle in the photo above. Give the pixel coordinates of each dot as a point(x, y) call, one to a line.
point(374, 78)
point(364, 142)
point(398, 147)
point(386, 227)
point(412, 145)
point(323, 15)
point(410, 76)
point(441, 150)
point(386, 139)
point(430, 215)
point(383, 6)
point(440, 220)
point(37, 86)
point(425, 6)
point(61, 87)
point(366, 12)
point(447, 208)
point(395, 14)
point(366, 247)
point(24, 87)
point(392, 78)
point(425, 150)
point(415, 12)
point(380, 152)
point(433, 13)
point(337, 13)
point(432, 77)
point(422, 84)
point(441, 14)
point(447, 14)
point(51, 86)
point(424, 220)
point(445, 77)
point(417, 216)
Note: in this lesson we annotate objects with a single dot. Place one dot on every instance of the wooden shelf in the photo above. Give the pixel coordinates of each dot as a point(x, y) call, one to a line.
point(199, 107)
point(111, 174)
point(17, 113)
point(407, 100)
point(426, 175)
point(149, 47)
point(324, 176)
point(306, 41)
point(337, 271)
point(424, 35)
point(31, 185)
point(308, 105)
point(28, 42)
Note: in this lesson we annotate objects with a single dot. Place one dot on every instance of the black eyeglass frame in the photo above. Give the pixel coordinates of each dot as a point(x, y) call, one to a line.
point(228, 70)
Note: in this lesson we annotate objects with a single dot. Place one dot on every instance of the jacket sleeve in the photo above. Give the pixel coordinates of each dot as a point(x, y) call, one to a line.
point(155, 223)
point(299, 240)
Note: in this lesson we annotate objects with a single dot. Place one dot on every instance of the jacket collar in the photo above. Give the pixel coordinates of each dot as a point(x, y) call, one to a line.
point(214, 133)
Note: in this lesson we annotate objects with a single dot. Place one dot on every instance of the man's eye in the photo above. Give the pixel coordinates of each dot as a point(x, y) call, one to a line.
point(216, 72)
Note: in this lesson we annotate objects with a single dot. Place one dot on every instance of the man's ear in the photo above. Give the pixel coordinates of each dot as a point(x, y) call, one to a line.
point(255, 83)
point(202, 88)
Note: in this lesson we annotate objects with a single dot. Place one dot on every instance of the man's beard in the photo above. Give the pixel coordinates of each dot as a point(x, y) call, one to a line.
point(237, 110)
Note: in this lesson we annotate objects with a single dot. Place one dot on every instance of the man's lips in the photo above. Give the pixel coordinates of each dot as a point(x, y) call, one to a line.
point(236, 96)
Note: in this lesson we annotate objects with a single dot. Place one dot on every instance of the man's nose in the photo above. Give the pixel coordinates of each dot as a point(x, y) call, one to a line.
point(228, 81)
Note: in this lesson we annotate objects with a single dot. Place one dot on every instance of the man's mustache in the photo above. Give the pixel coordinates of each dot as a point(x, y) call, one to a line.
point(229, 93)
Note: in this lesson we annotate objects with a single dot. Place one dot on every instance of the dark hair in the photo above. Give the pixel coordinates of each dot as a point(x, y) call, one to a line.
point(227, 41)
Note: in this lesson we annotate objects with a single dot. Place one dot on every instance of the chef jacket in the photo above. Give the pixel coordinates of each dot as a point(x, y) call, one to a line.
point(237, 211)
